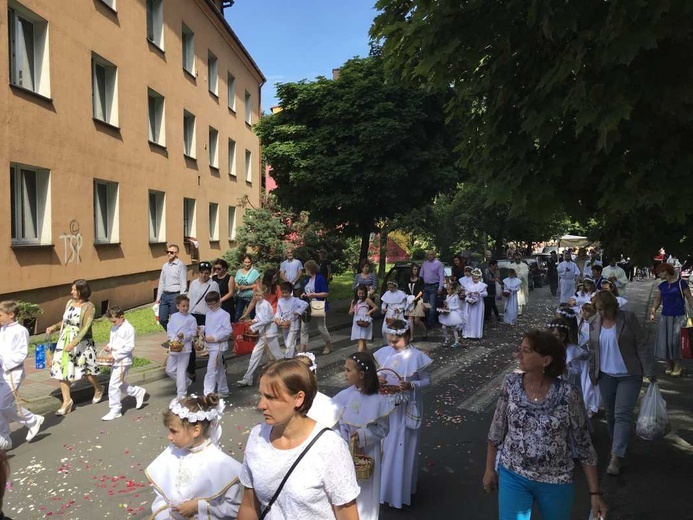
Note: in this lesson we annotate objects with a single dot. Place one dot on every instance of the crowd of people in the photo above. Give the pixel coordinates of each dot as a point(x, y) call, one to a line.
point(359, 449)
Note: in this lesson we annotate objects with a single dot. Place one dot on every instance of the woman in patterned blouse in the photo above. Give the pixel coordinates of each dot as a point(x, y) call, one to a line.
point(540, 426)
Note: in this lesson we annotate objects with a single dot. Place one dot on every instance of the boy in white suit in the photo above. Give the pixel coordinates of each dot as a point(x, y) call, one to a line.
point(217, 334)
point(290, 308)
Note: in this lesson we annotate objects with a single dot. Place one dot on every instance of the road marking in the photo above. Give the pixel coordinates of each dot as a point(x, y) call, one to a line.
point(487, 394)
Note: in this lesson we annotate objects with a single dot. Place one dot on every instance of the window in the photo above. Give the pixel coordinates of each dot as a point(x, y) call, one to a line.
point(232, 157)
point(29, 63)
point(213, 147)
point(157, 133)
point(188, 38)
point(189, 141)
point(30, 204)
point(189, 217)
point(248, 166)
point(155, 22)
point(105, 212)
point(157, 217)
point(248, 109)
point(110, 3)
point(212, 73)
point(232, 223)
point(104, 90)
point(231, 86)
point(213, 221)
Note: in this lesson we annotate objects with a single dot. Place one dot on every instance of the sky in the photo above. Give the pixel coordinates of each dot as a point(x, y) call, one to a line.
point(292, 40)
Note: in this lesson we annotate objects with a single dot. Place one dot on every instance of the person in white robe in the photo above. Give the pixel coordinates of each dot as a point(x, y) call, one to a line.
point(464, 282)
point(193, 477)
point(289, 310)
point(217, 331)
point(451, 315)
point(361, 309)
point(609, 285)
point(14, 348)
point(393, 304)
point(474, 322)
point(590, 390)
point(585, 292)
point(522, 272)
point(616, 275)
point(323, 410)
point(401, 446)
point(181, 327)
point(568, 273)
point(364, 423)
point(511, 288)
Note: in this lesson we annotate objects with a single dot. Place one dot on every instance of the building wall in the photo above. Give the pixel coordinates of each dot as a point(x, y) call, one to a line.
point(58, 133)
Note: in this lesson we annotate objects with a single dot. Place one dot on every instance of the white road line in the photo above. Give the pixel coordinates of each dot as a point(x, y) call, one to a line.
point(487, 394)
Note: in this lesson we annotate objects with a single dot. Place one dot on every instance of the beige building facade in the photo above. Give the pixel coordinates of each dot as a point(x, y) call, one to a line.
point(125, 125)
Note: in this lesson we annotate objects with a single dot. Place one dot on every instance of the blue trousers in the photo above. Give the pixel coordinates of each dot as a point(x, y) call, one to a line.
point(517, 494)
point(619, 395)
point(167, 306)
point(430, 296)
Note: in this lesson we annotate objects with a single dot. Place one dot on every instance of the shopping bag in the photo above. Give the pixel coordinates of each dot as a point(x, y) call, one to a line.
point(653, 421)
point(40, 356)
point(686, 347)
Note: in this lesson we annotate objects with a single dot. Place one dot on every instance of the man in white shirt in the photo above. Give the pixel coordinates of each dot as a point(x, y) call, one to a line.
point(172, 282)
point(615, 274)
point(291, 269)
point(568, 273)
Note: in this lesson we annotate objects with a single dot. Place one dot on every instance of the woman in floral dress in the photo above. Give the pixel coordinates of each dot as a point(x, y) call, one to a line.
point(75, 354)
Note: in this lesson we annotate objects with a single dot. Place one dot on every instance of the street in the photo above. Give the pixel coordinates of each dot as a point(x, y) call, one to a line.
point(82, 468)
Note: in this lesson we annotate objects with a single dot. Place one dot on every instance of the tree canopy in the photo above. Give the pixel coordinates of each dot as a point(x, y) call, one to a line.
point(358, 148)
point(582, 106)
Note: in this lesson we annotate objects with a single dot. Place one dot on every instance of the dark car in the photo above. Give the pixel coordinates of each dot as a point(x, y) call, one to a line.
point(401, 272)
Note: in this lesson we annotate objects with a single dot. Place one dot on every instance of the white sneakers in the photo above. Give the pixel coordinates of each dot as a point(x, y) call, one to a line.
point(5, 444)
point(139, 398)
point(33, 430)
point(244, 382)
point(111, 415)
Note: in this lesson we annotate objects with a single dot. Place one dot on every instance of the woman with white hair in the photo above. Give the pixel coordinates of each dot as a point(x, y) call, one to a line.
point(475, 293)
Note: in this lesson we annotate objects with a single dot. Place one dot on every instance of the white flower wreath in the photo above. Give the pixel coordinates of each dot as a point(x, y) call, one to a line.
point(183, 412)
point(310, 356)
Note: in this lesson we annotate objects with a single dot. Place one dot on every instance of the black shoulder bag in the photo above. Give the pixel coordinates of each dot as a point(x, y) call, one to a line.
point(266, 510)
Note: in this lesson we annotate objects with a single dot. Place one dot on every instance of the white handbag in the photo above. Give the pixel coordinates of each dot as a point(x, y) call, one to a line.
point(317, 308)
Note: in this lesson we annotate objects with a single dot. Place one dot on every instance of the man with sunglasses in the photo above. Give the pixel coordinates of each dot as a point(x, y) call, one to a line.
point(172, 282)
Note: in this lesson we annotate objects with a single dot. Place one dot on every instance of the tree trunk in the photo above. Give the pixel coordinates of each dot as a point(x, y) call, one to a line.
point(383, 252)
point(365, 242)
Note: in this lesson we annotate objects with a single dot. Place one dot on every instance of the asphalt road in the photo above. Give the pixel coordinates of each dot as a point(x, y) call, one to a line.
point(81, 468)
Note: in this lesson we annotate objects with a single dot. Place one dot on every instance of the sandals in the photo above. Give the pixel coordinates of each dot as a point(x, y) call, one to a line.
point(327, 350)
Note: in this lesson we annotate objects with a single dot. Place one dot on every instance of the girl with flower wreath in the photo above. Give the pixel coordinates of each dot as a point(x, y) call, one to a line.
point(475, 293)
point(193, 477)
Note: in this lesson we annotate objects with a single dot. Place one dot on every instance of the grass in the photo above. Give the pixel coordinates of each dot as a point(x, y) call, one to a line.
point(340, 286)
point(136, 363)
point(141, 318)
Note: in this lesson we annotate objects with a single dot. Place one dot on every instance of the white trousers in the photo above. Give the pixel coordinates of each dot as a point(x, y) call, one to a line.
point(176, 366)
point(118, 386)
point(270, 342)
point(9, 408)
point(215, 378)
point(290, 340)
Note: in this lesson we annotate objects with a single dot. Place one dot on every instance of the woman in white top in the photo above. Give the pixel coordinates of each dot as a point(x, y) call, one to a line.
point(323, 484)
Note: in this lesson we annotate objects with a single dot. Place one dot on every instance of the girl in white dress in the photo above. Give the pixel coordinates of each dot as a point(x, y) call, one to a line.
point(394, 302)
point(608, 285)
point(451, 319)
point(464, 282)
point(475, 291)
point(361, 308)
point(585, 292)
point(365, 422)
point(590, 390)
point(577, 358)
point(511, 286)
point(193, 477)
point(401, 446)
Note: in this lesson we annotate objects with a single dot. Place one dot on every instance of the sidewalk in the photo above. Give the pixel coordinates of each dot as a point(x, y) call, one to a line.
point(41, 394)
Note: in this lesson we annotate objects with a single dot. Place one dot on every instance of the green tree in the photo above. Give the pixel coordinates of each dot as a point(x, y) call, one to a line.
point(580, 106)
point(357, 149)
point(262, 235)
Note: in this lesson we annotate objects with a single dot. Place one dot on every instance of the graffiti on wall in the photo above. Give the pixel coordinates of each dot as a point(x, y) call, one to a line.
point(72, 244)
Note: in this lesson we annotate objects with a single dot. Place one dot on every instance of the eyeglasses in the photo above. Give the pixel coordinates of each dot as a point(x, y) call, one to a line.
point(171, 252)
point(216, 269)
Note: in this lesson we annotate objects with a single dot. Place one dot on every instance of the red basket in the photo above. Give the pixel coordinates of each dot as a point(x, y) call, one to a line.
point(240, 344)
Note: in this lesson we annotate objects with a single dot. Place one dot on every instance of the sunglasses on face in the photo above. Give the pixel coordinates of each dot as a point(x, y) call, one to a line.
point(171, 252)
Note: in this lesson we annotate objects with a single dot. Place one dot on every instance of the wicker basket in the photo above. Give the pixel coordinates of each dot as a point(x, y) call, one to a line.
point(389, 389)
point(506, 294)
point(249, 335)
point(175, 345)
point(104, 359)
point(363, 464)
point(443, 310)
point(285, 324)
point(199, 343)
point(364, 321)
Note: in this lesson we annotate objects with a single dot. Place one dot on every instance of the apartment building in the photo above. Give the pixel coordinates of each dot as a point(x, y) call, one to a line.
point(125, 125)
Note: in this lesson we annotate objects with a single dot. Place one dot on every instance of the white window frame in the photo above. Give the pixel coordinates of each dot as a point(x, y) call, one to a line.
point(213, 222)
point(106, 212)
point(232, 158)
point(155, 22)
point(248, 108)
point(232, 223)
point(189, 217)
point(231, 90)
point(156, 212)
point(28, 53)
point(189, 134)
point(156, 105)
point(248, 166)
point(104, 90)
point(30, 203)
point(110, 3)
point(213, 73)
point(188, 48)
point(213, 147)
